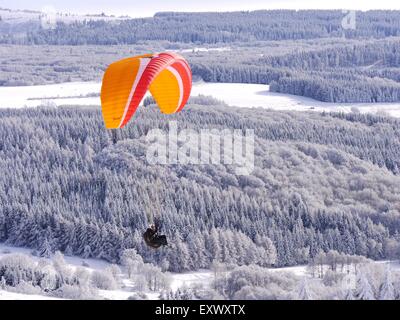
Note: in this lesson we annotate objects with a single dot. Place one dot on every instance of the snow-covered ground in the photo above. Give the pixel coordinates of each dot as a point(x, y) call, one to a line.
point(234, 94)
point(258, 95)
point(190, 279)
point(7, 295)
point(93, 264)
point(53, 94)
point(202, 278)
point(178, 280)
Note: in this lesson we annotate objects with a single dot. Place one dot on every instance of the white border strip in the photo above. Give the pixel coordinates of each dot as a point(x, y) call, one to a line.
point(189, 73)
point(143, 64)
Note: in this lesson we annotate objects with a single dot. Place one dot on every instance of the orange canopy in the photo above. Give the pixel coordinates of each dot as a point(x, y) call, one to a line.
point(125, 83)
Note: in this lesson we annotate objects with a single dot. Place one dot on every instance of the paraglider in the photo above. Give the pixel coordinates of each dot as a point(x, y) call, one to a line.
point(152, 238)
point(167, 76)
point(151, 199)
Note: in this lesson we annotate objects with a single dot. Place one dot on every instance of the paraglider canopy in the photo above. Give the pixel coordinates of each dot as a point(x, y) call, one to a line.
point(166, 75)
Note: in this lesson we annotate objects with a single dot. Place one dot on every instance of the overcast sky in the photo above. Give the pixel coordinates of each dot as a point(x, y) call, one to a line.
point(142, 8)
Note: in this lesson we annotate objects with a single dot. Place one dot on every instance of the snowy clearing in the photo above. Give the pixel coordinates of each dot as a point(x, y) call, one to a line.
point(258, 95)
point(234, 94)
point(53, 94)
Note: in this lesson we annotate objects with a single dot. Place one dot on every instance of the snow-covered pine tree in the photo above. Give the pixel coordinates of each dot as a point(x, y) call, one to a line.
point(386, 290)
point(270, 249)
point(304, 292)
point(364, 289)
point(68, 250)
point(162, 295)
point(45, 249)
point(87, 252)
point(348, 294)
point(3, 283)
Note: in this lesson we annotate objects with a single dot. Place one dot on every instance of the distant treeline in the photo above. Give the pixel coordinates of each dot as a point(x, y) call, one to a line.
point(224, 27)
point(336, 73)
point(325, 62)
point(352, 73)
point(316, 186)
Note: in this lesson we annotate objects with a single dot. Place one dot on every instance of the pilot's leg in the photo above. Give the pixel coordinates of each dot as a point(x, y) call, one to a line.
point(163, 240)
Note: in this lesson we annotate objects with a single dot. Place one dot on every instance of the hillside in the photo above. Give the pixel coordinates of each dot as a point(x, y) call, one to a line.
point(320, 182)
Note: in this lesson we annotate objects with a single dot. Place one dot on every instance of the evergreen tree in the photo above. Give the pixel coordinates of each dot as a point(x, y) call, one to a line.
point(303, 291)
point(386, 290)
point(364, 289)
point(87, 252)
point(45, 249)
point(348, 294)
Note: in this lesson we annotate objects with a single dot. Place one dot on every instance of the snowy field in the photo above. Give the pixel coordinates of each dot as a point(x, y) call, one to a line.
point(53, 94)
point(234, 94)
